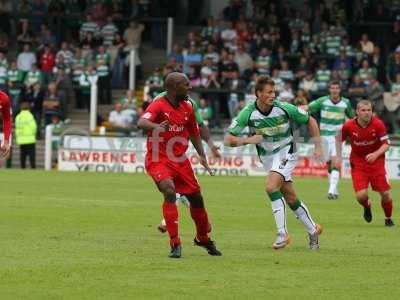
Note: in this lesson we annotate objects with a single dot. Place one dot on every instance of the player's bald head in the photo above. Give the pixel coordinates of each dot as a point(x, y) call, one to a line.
point(173, 79)
point(177, 86)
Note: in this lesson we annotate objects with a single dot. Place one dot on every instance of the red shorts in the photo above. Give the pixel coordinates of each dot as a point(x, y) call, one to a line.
point(363, 174)
point(181, 174)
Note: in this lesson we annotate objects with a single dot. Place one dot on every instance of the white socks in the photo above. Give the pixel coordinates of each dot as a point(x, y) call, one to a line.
point(333, 182)
point(304, 216)
point(279, 211)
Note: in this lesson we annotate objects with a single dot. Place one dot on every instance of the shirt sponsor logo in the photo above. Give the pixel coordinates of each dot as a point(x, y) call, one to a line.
point(364, 143)
point(176, 128)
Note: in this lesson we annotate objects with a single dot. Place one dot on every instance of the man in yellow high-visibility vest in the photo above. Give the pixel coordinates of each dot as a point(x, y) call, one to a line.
point(25, 133)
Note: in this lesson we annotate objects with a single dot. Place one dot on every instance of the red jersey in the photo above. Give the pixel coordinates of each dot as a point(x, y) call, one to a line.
point(6, 114)
point(173, 142)
point(47, 61)
point(366, 140)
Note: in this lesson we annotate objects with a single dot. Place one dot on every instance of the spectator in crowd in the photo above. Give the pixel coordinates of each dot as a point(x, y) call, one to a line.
point(229, 36)
point(26, 59)
point(35, 97)
point(33, 76)
point(234, 85)
point(205, 111)
point(366, 72)
point(244, 61)
point(228, 67)
point(357, 90)
point(14, 83)
point(25, 133)
point(392, 105)
point(393, 66)
point(117, 61)
point(286, 95)
point(176, 54)
point(367, 46)
point(47, 61)
point(78, 67)
point(192, 58)
point(374, 91)
point(86, 80)
point(89, 27)
point(308, 83)
point(108, 32)
point(118, 119)
point(263, 61)
point(66, 53)
point(285, 73)
point(25, 35)
point(104, 74)
point(46, 37)
point(51, 102)
point(133, 35)
point(322, 76)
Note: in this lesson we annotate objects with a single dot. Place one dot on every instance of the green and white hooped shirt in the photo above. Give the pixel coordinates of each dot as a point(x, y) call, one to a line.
point(332, 114)
point(275, 126)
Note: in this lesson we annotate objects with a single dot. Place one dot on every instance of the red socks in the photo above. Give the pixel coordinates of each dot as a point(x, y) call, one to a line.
point(387, 208)
point(365, 203)
point(200, 218)
point(170, 212)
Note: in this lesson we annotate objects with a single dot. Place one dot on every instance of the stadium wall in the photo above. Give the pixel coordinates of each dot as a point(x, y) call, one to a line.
point(113, 154)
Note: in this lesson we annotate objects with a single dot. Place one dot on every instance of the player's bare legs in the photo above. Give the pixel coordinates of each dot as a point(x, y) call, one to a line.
point(362, 198)
point(199, 215)
point(170, 212)
point(387, 206)
point(302, 213)
point(334, 176)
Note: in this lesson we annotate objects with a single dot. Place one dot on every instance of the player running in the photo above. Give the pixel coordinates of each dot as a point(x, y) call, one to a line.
point(333, 109)
point(205, 136)
point(269, 120)
point(369, 142)
point(5, 108)
point(170, 122)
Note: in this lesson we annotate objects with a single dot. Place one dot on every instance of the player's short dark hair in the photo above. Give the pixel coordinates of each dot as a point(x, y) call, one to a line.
point(261, 82)
point(365, 102)
point(334, 82)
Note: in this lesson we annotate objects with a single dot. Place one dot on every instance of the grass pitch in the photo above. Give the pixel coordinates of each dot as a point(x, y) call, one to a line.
point(93, 236)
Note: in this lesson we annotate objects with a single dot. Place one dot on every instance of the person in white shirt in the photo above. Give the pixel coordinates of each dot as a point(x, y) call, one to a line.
point(118, 118)
point(26, 59)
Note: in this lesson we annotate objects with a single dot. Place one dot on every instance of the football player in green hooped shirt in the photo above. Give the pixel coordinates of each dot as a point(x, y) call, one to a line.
point(333, 110)
point(270, 122)
point(205, 136)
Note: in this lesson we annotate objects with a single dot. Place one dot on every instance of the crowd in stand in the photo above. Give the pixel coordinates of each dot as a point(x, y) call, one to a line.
point(301, 47)
point(49, 59)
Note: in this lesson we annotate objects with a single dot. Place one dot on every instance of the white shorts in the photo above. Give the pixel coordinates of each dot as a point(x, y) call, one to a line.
point(281, 162)
point(328, 147)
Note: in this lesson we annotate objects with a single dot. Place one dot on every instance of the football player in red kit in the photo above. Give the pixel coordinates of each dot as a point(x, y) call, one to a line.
point(170, 122)
point(369, 142)
point(6, 115)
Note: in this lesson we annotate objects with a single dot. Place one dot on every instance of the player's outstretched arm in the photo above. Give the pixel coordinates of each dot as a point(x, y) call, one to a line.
point(234, 141)
point(315, 136)
point(148, 125)
point(205, 136)
point(198, 145)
